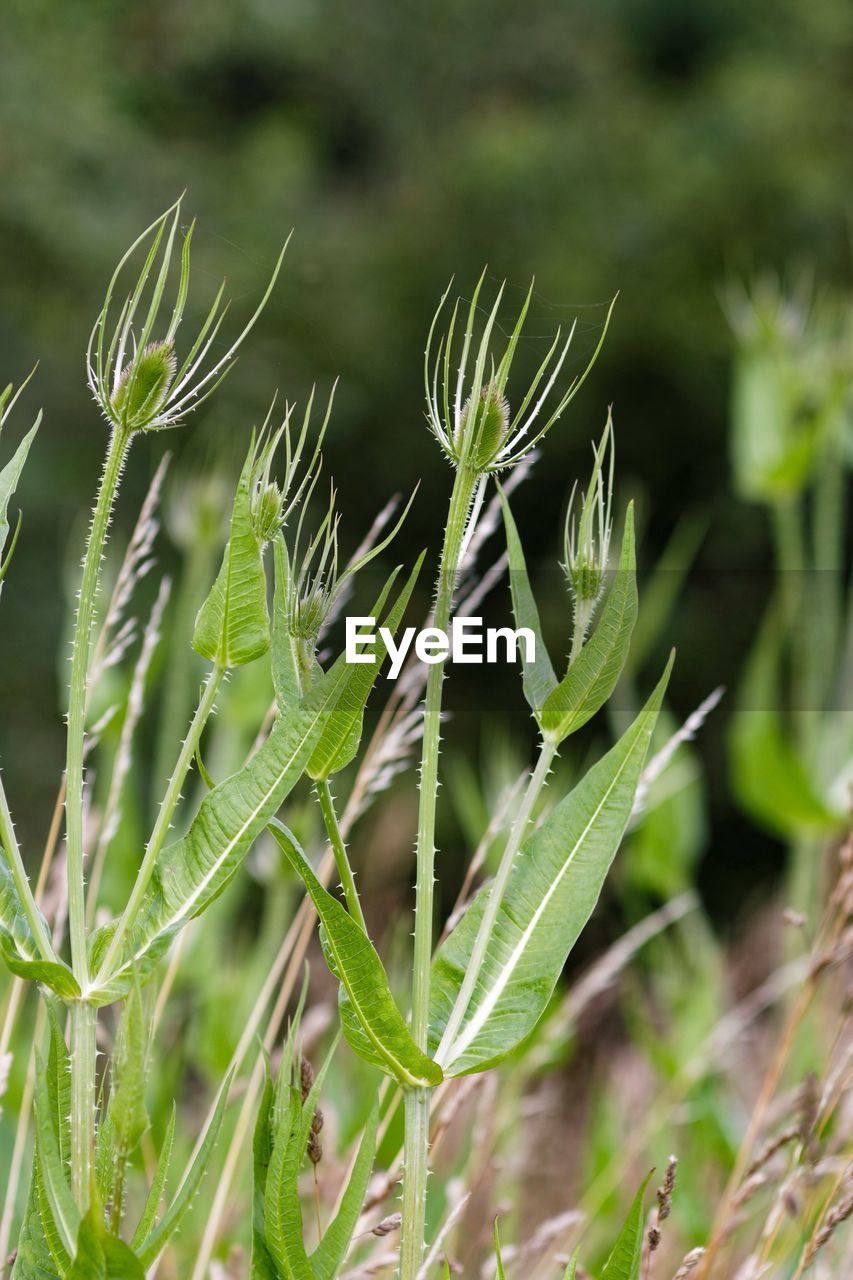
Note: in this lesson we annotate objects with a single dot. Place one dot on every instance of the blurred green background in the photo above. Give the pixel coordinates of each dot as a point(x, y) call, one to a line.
point(659, 148)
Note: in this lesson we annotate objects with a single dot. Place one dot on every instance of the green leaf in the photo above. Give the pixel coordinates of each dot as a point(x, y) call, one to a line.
point(158, 1184)
point(157, 1239)
point(769, 779)
point(328, 1257)
point(9, 477)
point(127, 1103)
point(500, 1274)
point(552, 890)
point(34, 1260)
point(360, 971)
point(282, 1210)
point(625, 1260)
point(571, 1269)
point(285, 656)
point(232, 627)
point(342, 734)
point(537, 675)
point(192, 872)
point(62, 1213)
point(99, 1255)
point(19, 947)
point(262, 1265)
point(592, 677)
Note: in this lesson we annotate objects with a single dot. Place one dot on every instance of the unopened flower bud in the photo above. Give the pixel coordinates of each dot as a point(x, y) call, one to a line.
point(488, 421)
point(267, 511)
point(587, 538)
point(144, 385)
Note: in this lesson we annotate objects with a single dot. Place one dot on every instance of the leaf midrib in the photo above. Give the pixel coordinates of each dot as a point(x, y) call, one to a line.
point(486, 1007)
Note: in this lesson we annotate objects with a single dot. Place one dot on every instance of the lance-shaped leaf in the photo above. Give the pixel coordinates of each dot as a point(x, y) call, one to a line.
point(33, 1258)
point(158, 1184)
point(500, 1274)
point(327, 1259)
point(341, 735)
point(42, 1251)
point(9, 477)
point(232, 627)
point(592, 677)
point(361, 973)
point(282, 1211)
point(262, 1265)
point(192, 872)
point(157, 1239)
point(128, 1116)
point(286, 658)
point(18, 945)
point(626, 1258)
point(552, 890)
point(60, 1215)
point(538, 676)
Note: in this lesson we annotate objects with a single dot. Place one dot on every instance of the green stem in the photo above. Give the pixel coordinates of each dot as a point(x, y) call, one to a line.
point(336, 840)
point(537, 781)
point(84, 1019)
point(9, 841)
point(417, 1101)
point(164, 817)
point(119, 444)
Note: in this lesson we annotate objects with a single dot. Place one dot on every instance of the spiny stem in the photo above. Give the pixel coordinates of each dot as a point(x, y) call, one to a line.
point(83, 1053)
point(336, 840)
point(537, 781)
point(416, 1105)
point(164, 817)
point(119, 444)
point(417, 1100)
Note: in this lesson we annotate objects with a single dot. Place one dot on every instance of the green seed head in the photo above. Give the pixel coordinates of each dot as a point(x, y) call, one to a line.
point(267, 511)
point(487, 422)
point(310, 613)
point(144, 385)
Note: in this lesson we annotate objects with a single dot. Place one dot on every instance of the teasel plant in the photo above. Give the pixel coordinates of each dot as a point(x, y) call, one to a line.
point(485, 987)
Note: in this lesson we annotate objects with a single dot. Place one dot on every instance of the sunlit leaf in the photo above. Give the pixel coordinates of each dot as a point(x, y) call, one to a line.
point(192, 872)
point(552, 890)
point(232, 627)
point(361, 972)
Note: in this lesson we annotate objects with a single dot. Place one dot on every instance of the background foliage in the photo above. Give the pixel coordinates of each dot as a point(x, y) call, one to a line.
point(655, 147)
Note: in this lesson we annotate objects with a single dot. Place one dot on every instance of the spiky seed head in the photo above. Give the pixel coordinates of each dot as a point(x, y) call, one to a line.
point(310, 612)
point(144, 385)
point(267, 511)
point(487, 424)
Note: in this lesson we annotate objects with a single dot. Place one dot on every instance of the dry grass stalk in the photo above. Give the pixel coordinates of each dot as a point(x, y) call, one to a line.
point(689, 1264)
